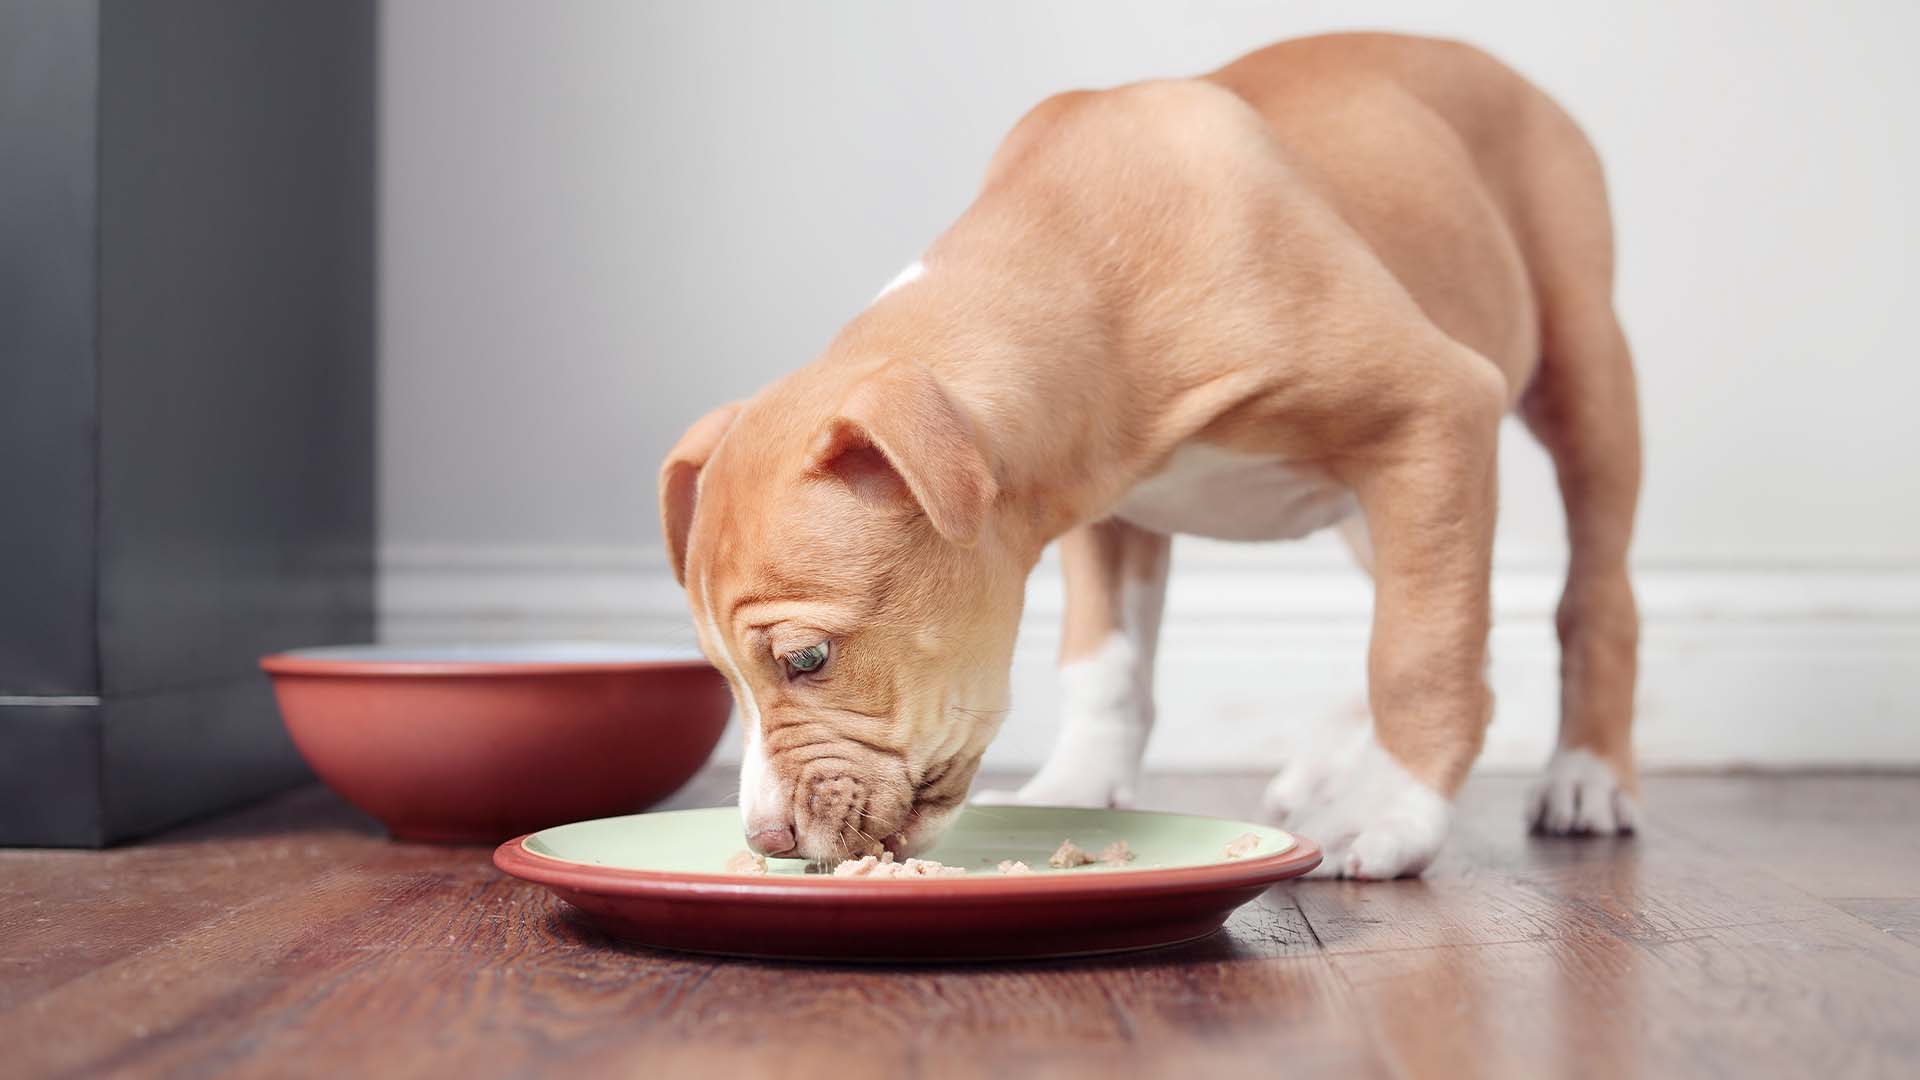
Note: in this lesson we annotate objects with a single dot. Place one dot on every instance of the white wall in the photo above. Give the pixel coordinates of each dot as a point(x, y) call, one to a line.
point(602, 218)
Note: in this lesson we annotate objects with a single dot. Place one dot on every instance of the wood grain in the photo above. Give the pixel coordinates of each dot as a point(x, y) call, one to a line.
point(1655, 955)
point(293, 939)
point(1830, 835)
point(1901, 918)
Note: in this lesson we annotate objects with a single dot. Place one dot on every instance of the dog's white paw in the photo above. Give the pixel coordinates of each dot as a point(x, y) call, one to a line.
point(1107, 714)
point(1372, 818)
point(1580, 795)
point(1070, 784)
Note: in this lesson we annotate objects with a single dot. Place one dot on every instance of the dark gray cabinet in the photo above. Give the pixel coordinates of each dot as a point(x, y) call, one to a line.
point(186, 395)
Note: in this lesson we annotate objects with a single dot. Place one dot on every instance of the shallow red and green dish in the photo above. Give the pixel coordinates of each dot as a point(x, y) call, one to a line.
point(659, 880)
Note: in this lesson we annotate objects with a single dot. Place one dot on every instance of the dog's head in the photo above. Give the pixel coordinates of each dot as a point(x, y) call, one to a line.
point(836, 537)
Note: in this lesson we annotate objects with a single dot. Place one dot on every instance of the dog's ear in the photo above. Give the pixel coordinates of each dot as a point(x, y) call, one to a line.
point(898, 435)
point(680, 480)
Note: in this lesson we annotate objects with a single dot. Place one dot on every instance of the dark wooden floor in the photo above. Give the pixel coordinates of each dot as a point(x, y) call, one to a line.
point(1763, 926)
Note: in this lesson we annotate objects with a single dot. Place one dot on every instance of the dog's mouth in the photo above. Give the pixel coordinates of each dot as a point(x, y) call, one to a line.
point(912, 839)
point(843, 819)
point(936, 802)
point(923, 825)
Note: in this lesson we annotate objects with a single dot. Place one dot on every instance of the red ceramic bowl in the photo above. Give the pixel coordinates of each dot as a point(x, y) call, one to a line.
point(477, 743)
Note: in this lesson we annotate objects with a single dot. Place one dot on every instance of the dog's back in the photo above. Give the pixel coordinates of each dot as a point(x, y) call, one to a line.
point(1474, 187)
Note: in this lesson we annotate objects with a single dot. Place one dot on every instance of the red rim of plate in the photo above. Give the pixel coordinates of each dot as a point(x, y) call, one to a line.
point(294, 664)
point(514, 858)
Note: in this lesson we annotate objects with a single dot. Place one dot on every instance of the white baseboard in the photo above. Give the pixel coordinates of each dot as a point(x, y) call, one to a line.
point(1763, 663)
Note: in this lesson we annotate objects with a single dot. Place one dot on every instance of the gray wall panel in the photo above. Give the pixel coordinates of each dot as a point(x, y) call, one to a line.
point(186, 395)
point(47, 285)
point(169, 756)
point(237, 285)
point(50, 776)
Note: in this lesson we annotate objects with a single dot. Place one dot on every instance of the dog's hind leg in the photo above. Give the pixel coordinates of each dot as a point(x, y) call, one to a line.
point(1583, 407)
point(1116, 582)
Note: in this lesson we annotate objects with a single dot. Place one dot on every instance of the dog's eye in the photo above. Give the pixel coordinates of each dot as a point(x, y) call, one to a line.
point(810, 659)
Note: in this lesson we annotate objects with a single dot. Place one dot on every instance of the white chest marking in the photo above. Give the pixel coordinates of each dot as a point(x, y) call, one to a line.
point(905, 277)
point(758, 796)
point(1227, 495)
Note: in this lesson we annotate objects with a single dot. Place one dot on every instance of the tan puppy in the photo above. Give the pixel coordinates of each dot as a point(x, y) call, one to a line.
point(1297, 293)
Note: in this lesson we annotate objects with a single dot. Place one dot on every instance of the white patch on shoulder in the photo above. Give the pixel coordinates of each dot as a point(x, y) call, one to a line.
point(905, 277)
point(758, 791)
point(1580, 795)
point(1207, 491)
point(1372, 818)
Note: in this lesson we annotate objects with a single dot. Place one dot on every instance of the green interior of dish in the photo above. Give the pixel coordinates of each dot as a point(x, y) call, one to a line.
point(701, 841)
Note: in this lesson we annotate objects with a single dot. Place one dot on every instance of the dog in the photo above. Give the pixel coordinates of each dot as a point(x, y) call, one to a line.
point(1299, 293)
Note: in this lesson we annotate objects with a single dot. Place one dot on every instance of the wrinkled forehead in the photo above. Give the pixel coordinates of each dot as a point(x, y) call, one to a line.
point(739, 499)
point(777, 532)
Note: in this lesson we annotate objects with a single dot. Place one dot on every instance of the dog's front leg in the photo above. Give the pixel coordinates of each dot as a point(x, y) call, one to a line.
point(1379, 799)
point(1116, 581)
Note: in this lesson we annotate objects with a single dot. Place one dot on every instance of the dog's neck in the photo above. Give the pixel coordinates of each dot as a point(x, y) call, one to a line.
point(1031, 368)
point(1048, 374)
